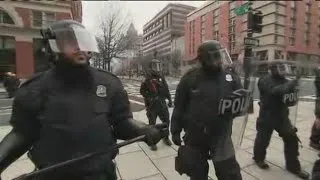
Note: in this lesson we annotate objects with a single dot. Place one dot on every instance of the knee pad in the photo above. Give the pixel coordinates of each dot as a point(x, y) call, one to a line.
point(190, 161)
point(228, 169)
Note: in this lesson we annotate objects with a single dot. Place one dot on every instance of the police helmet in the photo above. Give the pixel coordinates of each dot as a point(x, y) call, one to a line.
point(280, 68)
point(212, 52)
point(67, 35)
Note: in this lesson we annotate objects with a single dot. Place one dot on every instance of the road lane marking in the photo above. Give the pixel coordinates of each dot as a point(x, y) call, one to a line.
point(136, 102)
point(2, 114)
point(6, 107)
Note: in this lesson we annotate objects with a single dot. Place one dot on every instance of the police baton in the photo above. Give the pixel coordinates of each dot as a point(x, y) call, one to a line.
point(33, 174)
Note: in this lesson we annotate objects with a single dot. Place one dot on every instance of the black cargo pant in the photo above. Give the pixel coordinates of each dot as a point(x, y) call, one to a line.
point(158, 108)
point(288, 134)
point(227, 169)
point(315, 135)
point(315, 175)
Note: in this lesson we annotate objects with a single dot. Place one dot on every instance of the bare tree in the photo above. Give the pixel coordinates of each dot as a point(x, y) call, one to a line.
point(112, 40)
point(176, 60)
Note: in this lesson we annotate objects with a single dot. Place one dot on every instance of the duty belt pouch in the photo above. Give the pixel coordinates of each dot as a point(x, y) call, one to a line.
point(188, 158)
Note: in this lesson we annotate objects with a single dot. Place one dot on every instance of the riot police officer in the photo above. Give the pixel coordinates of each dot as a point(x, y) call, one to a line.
point(155, 91)
point(70, 110)
point(207, 124)
point(315, 131)
point(11, 84)
point(274, 115)
point(315, 174)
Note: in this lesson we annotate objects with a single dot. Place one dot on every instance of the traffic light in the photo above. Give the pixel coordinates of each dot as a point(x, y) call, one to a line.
point(255, 21)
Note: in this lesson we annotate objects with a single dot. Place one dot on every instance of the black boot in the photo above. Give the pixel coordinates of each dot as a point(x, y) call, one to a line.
point(154, 148)
point(262, 164)
point(300, 173)
point(167, 141)
point(314, 145)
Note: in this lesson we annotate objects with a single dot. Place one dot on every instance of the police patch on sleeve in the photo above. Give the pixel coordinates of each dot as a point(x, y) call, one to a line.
point(101, 91)
point(228, 77)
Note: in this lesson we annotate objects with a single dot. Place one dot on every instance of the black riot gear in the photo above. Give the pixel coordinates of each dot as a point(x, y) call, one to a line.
point(69, 111)
point(65, 38)
point(213, 56)
point(200, 109)
point(315, 131)
point(155, 91)
point(153, 68)
point(277, 94)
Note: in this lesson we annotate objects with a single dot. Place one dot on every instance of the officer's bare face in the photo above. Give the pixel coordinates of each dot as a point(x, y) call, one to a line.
point(73, 53)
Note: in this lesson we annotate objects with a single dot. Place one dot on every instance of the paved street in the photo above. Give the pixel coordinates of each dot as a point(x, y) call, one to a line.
point(138, 162)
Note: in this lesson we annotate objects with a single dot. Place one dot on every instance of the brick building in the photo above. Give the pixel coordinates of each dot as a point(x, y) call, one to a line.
point(20, 39)
point(291, 29)
point(165, 26)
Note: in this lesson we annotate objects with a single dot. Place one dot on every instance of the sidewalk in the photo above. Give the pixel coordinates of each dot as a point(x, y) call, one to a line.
point(138, 162)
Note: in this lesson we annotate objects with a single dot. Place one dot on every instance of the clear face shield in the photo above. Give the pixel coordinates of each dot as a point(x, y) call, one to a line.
point(72, 41)
point(156, 66)
point(284, 69)
point(220, 57)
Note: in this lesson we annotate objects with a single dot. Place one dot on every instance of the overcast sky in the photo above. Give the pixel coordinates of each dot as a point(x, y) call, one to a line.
point(140, 12)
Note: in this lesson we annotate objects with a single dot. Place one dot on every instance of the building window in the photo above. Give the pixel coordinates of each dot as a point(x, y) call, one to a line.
point(5, 18)
point(216, 35)
point(43, 18)
point(232, 14)
point(293, 4)
point(203, 24)
point(276, 29)
point(216, 12)
point(233, 45)
point(277, 54)
point(307, 18)
point(232, 5)
point(306, 36)
point(216, 20)
point(307, 42)
point(293, 21)
point(7, 42)
point(292, 41)
point(308, 8)
point(293, 32)
point(232, 21)
point(37, 18)
point(203, 18)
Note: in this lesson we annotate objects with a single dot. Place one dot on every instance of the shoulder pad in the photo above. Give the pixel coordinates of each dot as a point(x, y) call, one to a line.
point(107, 72)
point(191, 71)
point(34, 77)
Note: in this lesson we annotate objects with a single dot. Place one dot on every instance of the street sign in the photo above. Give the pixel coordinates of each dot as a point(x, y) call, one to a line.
point(251, 41)
point(241, 10)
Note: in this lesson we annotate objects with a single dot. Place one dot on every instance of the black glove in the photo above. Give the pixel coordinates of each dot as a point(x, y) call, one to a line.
point(176, 139)
point(153, 135)
point(170, 104)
